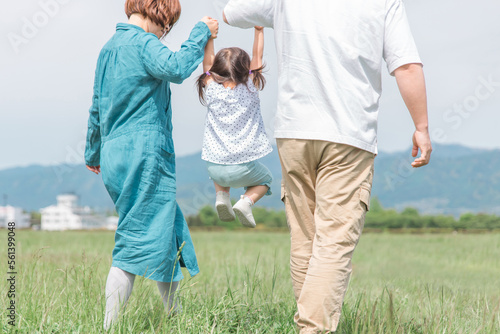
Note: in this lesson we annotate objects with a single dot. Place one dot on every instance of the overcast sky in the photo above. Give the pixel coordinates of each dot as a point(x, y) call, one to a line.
point(48, 55)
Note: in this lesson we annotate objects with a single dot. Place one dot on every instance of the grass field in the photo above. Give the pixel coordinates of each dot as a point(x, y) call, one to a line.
point(400, 284)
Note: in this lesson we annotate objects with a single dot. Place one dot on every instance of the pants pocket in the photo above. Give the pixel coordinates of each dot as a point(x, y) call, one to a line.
point(364, 197)
point(283, 192)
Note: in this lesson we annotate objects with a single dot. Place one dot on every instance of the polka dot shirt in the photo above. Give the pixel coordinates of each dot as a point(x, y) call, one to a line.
point(234, 129)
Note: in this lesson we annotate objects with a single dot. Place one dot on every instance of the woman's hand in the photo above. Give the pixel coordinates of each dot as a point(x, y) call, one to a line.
point(212, 24)
point(94, 169)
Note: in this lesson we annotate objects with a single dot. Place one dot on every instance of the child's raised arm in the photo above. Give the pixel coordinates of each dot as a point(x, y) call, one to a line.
point(258, 49)
point(208, 61)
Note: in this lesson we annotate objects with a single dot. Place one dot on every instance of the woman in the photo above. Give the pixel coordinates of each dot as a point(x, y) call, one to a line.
point(130, 138)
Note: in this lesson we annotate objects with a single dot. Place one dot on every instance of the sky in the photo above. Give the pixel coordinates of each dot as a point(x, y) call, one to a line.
point(49, 49)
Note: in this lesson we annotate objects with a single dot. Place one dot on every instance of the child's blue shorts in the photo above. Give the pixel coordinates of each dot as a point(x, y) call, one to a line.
point(245, 175)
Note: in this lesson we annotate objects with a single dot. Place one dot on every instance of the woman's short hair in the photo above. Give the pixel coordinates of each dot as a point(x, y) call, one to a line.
point(161, 12)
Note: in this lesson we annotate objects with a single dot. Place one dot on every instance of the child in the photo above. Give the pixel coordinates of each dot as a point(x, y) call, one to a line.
point(235, 137)
point(130, 139)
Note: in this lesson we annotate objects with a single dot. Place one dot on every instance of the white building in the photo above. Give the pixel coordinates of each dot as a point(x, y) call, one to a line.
point(10, 214)
point(67, 215)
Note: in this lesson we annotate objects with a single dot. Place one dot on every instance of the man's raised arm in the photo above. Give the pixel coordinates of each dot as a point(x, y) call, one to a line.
point(249, 13)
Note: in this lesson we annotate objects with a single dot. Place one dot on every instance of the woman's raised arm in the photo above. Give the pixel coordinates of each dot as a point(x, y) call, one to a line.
point(175, 67)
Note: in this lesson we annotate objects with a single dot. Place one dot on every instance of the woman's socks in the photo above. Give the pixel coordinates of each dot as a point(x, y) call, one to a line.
point(118, 289)
point(167, 292)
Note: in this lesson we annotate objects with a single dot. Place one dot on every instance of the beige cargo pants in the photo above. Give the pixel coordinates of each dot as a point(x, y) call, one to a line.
point(326, 189)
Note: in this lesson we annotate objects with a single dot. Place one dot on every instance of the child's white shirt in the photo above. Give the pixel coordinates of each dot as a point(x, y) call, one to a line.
point(234, 129)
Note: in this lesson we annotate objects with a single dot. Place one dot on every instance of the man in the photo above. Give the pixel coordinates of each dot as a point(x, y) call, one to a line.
point(330, 55)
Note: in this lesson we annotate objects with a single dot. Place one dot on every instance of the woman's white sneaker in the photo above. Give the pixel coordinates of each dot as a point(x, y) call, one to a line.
point(223, 207)
point(243, 209)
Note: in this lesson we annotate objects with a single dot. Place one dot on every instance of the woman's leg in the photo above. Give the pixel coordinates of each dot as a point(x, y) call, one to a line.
point(167, 292)
point(118, 289)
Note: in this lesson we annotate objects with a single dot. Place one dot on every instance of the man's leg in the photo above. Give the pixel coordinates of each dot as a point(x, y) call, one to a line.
point(299, 177)
point(343, 185)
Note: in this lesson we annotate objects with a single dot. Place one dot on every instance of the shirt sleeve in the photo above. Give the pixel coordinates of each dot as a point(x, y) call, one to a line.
point(163, 64)
point(250, 13)
point(93, 143)
point(399, 45)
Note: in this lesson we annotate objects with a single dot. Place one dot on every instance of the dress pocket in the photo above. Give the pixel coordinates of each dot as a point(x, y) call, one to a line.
point(166, 169)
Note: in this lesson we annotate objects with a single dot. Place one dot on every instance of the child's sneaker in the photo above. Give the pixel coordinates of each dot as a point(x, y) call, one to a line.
point(243, 209)
point(223, 206)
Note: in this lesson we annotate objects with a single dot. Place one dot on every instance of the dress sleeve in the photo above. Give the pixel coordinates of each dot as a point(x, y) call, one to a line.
point(399, 45)
point(93, 144)
point(250, 13)
point(163, 64)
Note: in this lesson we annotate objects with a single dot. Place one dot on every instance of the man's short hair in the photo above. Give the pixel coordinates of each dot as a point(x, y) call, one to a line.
point(161, 12)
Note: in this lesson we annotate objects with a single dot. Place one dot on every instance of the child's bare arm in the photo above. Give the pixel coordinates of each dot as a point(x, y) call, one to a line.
point(208, 61)
point(258, 48)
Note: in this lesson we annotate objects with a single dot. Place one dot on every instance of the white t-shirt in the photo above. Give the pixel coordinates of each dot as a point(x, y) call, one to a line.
point(330, 56)
point(234, 129)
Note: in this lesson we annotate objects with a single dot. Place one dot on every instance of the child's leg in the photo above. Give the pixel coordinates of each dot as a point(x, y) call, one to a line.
point(259, 174)
point(243, 208)
point(118, 289)
point(167, 292)
point(256, 193)
point(221, 188)
point(223, 203)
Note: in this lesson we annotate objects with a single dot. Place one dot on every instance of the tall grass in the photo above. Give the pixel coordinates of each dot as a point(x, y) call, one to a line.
point(400, 284)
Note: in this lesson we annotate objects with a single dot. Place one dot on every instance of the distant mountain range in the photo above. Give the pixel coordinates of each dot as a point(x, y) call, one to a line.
point(458, 180)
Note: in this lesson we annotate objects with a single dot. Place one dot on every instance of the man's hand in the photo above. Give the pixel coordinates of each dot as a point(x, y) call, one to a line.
point(212, 24)
point(94, 169)
point(422, 141)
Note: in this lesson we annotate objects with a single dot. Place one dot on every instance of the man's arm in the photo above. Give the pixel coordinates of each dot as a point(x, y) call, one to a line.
point(209, 58)
point(258, 48)
point(249, 13)
point(411, 83)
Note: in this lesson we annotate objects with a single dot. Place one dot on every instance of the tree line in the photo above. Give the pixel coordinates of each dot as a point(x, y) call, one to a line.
point(377, 218)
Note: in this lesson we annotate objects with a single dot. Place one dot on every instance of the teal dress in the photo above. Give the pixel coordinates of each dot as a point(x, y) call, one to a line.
point(130, 137)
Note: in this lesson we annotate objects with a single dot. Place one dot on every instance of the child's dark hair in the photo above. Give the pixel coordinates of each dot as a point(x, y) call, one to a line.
point(231, 65)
